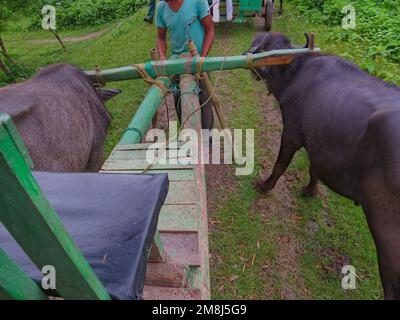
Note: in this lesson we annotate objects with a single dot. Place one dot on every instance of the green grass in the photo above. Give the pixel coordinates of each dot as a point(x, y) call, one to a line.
point(241, 232)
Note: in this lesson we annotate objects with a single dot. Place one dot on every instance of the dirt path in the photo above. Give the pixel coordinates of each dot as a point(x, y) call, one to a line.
point(86, 37)
point(278, 205)
point(221, 175)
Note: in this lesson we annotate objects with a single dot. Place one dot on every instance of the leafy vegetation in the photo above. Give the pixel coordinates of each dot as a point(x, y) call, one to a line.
point(17, 74)
point(10, 70)
point(5, 13)
point(74, 13)
point(17, 16)
point(377, 24)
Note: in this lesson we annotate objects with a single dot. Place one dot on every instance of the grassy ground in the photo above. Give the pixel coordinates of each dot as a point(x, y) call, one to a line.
point(262, 247)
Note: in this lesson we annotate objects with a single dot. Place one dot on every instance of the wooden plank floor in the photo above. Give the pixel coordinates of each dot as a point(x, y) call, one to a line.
point(180, 224)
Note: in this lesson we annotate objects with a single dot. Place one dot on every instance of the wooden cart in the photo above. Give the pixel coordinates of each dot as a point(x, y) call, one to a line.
point(178, 262)
point(264, 8)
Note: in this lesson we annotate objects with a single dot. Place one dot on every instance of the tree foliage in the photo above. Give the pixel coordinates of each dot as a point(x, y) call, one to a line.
point(78, 13)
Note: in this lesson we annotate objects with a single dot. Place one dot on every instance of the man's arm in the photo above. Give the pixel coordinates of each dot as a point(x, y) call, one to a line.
point(162, 42)
point(208, 26)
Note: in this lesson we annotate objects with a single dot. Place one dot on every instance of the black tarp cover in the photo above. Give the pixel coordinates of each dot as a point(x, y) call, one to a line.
point(112, 219)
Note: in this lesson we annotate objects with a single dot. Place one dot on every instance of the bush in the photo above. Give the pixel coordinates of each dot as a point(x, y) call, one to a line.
point(5, 13)
point(378, 23)
point(80, 13)
point(18, 73)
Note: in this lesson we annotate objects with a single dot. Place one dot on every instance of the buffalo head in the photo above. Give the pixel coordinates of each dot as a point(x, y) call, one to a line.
point(268, 41)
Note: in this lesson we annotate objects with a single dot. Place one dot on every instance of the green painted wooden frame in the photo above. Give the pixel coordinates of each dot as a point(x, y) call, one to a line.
point(34, 224)
point(15, 284)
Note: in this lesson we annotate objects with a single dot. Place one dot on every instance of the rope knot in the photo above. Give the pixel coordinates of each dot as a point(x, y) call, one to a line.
point(199, 65)
point(99, 79)
point(249, 60)
point(151, 81)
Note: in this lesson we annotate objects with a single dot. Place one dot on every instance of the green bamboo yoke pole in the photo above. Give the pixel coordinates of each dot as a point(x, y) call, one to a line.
point(190, 65)
point(144, 116)
point(34, 224)
point(15, 284)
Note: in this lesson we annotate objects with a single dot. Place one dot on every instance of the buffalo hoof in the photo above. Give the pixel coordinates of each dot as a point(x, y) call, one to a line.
point(280, 12)
point(309, 191)
point(262, 187)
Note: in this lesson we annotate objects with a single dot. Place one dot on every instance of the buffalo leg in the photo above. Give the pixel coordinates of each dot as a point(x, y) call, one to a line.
point(207, 112)
point(390, 271)
point(312, 188)
point(96, 157)
point(281, 7)
point(387, 241)
point(381, 206)
point(287, 150)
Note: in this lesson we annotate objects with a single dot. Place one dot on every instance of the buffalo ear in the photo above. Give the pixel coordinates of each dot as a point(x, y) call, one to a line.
point(108, 94)
point(257, 48)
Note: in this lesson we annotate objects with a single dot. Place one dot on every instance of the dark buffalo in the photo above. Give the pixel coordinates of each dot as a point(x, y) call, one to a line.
point(61, 118)
point(349, 124)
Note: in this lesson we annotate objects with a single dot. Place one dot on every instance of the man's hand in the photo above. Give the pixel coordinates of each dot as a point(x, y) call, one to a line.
point(208, 26)
point(162, 43)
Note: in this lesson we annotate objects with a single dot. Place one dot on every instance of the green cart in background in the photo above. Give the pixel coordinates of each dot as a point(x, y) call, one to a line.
point(264, 8)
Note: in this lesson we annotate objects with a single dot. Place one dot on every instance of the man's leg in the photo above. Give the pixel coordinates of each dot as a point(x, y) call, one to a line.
point(210, 2)
point(207, 112)
point(216, 12)
point(152, 8)
point(229, 10)
point(177, 97)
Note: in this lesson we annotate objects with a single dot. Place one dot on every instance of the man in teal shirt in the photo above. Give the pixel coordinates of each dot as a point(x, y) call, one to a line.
point(187, 20)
